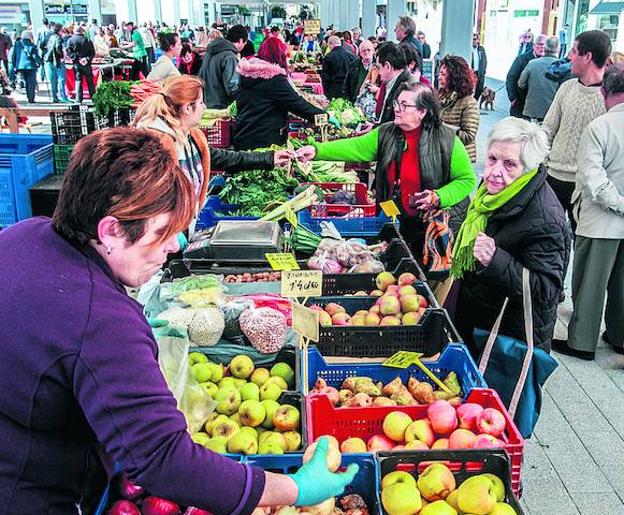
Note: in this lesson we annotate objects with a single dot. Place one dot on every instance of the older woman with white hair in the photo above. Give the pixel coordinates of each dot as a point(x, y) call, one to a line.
point(515, 221)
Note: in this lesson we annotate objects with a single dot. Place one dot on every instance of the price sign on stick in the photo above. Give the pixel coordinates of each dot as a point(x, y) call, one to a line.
point(305, 322)
point(302, 283)
point(320, 119)
point(282, 261)
point(290, 216)
point(402, 359)
point(390, 209)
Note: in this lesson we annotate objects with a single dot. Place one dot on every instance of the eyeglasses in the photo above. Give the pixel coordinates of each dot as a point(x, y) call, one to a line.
point(401, 106)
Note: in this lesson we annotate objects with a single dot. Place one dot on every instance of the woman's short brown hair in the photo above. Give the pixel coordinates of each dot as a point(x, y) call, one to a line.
point(124, 173)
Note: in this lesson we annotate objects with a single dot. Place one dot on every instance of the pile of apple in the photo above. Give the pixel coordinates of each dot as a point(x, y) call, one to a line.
point(248, 419)
point(398, 304)
point(469, 426)
point(436, 492)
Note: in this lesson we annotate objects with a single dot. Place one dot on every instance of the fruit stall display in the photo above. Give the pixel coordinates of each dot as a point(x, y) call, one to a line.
point(446, 483)
point(481, 422)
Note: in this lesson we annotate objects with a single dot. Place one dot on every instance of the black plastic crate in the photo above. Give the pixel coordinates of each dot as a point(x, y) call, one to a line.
point(117, 118)
point(463, 464)
point(71, 125)
point(44, 196)
point(62, 153)
point(433, 332)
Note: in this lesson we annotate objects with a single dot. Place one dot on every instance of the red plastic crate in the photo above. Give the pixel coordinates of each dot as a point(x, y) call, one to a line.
point(363, 205)
point(323, 419)
point(220, 134)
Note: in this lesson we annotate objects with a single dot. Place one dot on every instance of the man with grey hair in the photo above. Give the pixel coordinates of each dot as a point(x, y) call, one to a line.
point(516, 95)
point(540, 89)
point(405, 32)
point(599, 246)
point(335, 67)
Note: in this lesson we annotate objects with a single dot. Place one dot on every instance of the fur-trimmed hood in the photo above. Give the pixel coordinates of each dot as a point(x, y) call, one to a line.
point(255, 68)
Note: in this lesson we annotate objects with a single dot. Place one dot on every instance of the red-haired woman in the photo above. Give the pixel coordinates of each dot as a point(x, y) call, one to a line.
point(89, 391)
point(460, 110)
point(266, 97)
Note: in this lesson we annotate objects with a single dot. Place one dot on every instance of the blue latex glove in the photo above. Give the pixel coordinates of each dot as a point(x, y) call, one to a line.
point(316, 483)
point(333, 121)
point(161, 328)
point(182, 241)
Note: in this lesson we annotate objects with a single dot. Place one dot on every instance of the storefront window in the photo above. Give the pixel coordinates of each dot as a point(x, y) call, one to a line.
point(609, 23)
point(581, 16)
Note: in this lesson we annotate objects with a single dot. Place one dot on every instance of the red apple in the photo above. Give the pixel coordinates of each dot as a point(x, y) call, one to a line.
point(461, 439)
point(468, 414)
point(442, 416)
point(491, 422)
point(441, 443)
point(485, 441)
point(379, 443)
point(406, 278)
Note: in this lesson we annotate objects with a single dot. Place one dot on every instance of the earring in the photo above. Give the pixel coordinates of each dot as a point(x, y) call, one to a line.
point(108, 249)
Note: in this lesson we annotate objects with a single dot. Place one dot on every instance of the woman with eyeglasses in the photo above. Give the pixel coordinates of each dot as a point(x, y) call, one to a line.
point(421, 164)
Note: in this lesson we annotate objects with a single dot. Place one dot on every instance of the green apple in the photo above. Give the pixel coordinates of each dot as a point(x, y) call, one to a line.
point(200, 438)
point(213, 419)
point(241, 366)
point(250, 392)
point(260, 376)
point(270, 406)
point(270, 391)
point(202, 372)
point(226, 428)
point(252, 413)
point(239, 383)
point(251, 431)
point(438, 508)
point(270, 448)
point(286, 418)
point(499, 487)
point(398, 476)
point(278, 381)
point(217, 444)
point(242, 443)
point(273, 437)
point(217, 372)
point(285, 371)
point(436, 482)
point(401, 499)
point(502, 508)
point(211, 388)
point(236, 418)
point(476, 495)
point(228, 400)
point(293, 441)
point(197, 357)
point(227, 380)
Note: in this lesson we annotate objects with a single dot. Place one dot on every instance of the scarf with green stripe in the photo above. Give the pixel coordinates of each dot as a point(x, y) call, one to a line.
point(476, 220)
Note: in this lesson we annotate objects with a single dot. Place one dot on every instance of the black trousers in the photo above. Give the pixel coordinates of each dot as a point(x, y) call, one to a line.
point(80, 71)
point(564, 190)
point(139, 65)
point(30, 79)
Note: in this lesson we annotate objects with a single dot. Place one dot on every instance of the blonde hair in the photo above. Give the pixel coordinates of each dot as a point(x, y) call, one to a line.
point(174, 93)
point(214, 34)
point(616, 57)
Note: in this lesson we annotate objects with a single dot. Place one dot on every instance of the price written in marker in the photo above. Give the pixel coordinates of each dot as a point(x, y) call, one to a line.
point(302, 283)
point(390, 209)
point(305, 322)
point(282, 261)
point(290, 216)
point(402, 359)
point(320, 120)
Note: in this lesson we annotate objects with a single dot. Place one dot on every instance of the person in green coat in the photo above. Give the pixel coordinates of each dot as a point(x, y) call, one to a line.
point(421, 163)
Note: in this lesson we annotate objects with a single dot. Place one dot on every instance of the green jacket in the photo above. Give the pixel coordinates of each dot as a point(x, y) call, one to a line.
point(138, 50)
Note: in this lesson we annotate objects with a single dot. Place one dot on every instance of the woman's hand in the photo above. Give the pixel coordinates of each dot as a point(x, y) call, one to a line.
point(373, 89)
point(282, 157)
point(484, 249)
point(306, 153)
point(427, 200)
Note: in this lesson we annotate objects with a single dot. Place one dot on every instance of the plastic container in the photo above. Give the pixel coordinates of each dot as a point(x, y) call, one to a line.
point(71, 125)
point(62, 153)
point(353, 224)
point(366, 482)
point(323, 419)
point(220, 134)
point(44, 196)
point(214, 211)
point(463, 464)
point(325, 209)
point(25, 159)
point(454, 358)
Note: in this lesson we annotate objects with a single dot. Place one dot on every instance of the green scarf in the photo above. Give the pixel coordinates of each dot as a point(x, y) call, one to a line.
point(476, 220)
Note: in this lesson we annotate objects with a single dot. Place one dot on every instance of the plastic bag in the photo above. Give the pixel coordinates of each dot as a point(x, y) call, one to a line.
point(193, 400)
point(266, 329)
point(231, 312)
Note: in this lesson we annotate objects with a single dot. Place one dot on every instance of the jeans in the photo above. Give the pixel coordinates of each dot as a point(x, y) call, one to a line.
point(79, 71)
point(30, 78)
point(56, 74)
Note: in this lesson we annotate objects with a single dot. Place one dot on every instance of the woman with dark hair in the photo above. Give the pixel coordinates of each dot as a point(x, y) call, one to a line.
point(190, 61)
point(266, 97)
point(460, 110)
point(89, 392)
point(347, 42)
point(421, 164)
point(414, 63)
point(165, 67)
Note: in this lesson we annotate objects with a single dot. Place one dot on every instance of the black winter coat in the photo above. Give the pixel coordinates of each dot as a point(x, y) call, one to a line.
point(354, 80)
point(218, 71)
point(234, 161)
point(511, 83)
point(530, 231)
point(264, 101)
point(334, 71)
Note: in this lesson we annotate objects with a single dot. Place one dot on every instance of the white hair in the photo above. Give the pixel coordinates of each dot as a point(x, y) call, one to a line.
point(533, 139)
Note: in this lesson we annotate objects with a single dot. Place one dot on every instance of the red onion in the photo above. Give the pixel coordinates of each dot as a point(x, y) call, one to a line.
point(191, 510)
point(153, 505)
point(124, 508)
point(129, 490)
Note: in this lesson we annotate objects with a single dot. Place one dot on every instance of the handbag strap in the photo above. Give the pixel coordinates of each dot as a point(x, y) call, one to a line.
point(528, 329)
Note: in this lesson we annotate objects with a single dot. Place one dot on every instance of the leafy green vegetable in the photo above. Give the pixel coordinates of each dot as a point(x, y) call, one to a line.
point(345, 112)
point(112, 95)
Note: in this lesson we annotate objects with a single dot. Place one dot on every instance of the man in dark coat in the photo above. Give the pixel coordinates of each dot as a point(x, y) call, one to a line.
point(425, 46)
point(405, 32)
point(478, 62)
point(514, 93)
point(335, 67)
point(81, 51)
point(358, 70)
point(218, 71)
point(393, 73)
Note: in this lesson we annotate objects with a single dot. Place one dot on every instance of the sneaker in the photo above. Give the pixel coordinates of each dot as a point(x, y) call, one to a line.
point(561, 346)
point(614, 348)
point(65, 101)
point(56, 101)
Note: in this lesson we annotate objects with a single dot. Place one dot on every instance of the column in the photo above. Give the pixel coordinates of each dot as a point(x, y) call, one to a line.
point(618, 44)
point(209, 13)
point(36, 15)
point(132, 11)
point(335, 14)
point(344, 15)
point(324, 12)
point(157, 11)
point(176, 12)
point(395, 9)
point(353, 18)
point(457, 28)
point(192, 20)
point(369, 17)
point(95, 11)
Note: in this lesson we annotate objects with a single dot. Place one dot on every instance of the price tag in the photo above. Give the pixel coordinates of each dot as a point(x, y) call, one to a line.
point(402, 359)
point(320, 119)
point(390, 209)
point(282, 261)
point(302, 283)
point(290, 216)
point(305, 322)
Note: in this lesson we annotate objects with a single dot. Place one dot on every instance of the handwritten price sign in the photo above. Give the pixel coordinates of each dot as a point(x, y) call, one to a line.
point(305, 322)
point(302, 283)
point(282, 261)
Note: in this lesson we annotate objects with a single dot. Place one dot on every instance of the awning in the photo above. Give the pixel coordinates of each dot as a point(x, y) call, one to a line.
point(607, 7)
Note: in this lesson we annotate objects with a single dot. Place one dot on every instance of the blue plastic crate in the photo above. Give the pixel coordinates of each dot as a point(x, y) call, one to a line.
point(25, 159)
point(366, 482)
point(349, 226)
point(454, 358)
point(215, 211)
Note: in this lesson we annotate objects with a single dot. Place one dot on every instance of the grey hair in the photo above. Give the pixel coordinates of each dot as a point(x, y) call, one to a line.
point(613, 81)
point(26, 34)
point(408, 24)
point(542, 38)
point(532, 137)
point(552, 46)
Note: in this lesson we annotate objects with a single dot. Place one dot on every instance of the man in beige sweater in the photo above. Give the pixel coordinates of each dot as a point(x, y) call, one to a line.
point(576, 104)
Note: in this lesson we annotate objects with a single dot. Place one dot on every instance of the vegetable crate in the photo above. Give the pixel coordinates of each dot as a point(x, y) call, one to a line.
point(324, 419)
point(25, 159)
point(358, 191)
point(432, 333)
point(220, 134)
point(351, 225)
point(120, 117)
point(62, 153)
point(463, 464)
point(366, 482)
point(215, 211)
point(71, 125)
point(454, 358)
